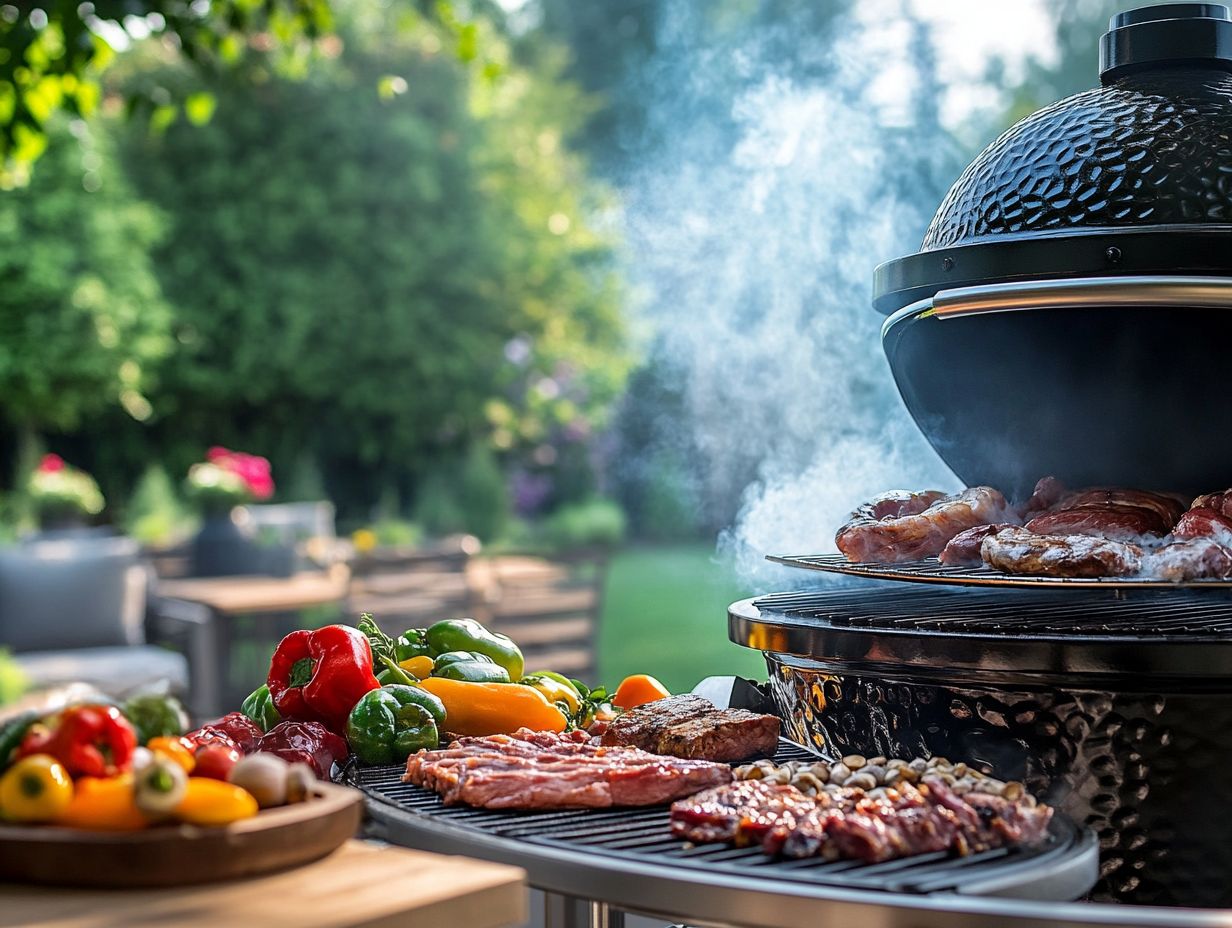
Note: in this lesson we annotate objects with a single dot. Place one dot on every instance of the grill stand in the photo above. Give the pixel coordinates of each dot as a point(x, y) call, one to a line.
point(561, 911)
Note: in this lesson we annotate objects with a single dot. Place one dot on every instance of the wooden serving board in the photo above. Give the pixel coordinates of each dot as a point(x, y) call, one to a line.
point(357, 886)
point(178, 855)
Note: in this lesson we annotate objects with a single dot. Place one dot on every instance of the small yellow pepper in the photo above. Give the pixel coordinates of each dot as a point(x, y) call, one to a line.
point(174, 749)
point(104, 804)
point(554, 690)
point(493, 708)
point(418, 667)
point(214, 802)
point(35, 789)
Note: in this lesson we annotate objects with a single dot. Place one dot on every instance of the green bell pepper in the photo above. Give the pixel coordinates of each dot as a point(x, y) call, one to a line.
point(411, 643)
point(469, 635)
point(12, 731)
point(155, 716)
point(259, 707)
point(390, 724)
point(469, 667)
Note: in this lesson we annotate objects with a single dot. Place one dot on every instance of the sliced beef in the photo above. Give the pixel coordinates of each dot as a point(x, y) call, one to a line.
point(1116, 514)
point(963, 550)
point(542, 770)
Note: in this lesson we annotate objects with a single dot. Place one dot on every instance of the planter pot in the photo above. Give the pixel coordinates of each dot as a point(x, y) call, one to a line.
point(222, 548)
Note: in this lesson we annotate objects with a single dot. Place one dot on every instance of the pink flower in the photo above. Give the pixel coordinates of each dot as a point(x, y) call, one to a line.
point(51, 463)
point(253, 469)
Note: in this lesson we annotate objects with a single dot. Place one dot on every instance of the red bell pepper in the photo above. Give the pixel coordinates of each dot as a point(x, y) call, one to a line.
point(318, 676)
point(90, 741)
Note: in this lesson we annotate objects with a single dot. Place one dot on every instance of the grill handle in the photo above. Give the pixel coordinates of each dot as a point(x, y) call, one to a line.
point(1080, 293)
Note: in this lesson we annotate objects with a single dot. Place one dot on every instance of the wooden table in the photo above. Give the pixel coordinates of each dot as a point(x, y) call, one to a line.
point(358, 886)
point(210, 608)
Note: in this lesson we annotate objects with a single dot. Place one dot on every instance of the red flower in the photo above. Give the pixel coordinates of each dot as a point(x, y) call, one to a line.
point(51, 463)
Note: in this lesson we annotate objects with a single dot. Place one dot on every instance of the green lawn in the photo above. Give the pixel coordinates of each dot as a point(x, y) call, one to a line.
point(665, 613)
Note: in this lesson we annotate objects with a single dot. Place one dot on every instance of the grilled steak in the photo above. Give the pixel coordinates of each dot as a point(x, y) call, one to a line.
point(690, 726)
point(894, 822)
point(908, 527)
point(542, 770)
point(963, 550)
point(1018, 550)
point(1202, 522)
point(1118, 515)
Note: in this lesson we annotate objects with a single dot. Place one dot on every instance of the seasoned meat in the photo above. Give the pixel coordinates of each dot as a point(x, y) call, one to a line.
point(1119, 515)
point(963, 550)
point(1197, 558)
point(1202, 522)
point(1220, 502)
point(542, 770)
point(1048, 492)
point(1018, 550)
point(909, 533)
point(740, 813)
point(690, 726)
point(888, 823)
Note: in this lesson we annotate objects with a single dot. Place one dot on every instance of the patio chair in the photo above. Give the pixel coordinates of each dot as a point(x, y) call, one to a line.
point(73, 610)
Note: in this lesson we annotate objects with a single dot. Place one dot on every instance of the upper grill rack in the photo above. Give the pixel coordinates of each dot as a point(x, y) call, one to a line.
point(607, 838)
point(931, 570)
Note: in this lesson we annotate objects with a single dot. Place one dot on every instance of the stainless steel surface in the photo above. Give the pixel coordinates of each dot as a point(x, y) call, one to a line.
point(1085, 293)
point(565, 911)
point(1146, 640)
point(931, 570)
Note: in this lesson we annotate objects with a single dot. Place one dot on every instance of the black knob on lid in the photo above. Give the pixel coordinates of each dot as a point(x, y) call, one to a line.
point(1166, 35)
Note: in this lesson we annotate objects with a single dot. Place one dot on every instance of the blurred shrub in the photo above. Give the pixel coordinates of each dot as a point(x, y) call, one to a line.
point(13, 680)
point(465, 496)
point(594, 523)
point(155, 515)
point(387, 533)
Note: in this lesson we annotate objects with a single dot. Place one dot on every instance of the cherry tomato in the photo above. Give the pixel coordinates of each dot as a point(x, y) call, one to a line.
point(215, 761)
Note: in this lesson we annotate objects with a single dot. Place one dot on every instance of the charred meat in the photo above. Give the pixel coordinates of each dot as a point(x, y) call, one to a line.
point(690, 726)
point(542, 770)
point(1199, 558)
point(1018, 550)
point(883, 824)
point(907, 527)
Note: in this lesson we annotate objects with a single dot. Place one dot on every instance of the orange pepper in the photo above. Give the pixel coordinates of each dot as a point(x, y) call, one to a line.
point(174, 749)
point(638, 690)
point(493, 708)
point(104, 804)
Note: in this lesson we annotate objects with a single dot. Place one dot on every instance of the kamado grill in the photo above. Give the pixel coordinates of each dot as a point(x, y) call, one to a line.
point(1063, 317)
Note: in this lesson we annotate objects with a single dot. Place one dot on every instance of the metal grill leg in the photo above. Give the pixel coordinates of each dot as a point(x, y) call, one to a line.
point(561, 911)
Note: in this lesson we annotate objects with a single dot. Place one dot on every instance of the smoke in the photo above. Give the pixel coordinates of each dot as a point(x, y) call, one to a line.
point(770, 187)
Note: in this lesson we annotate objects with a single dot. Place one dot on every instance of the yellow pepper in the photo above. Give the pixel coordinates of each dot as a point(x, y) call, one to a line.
point(104, 804)
point(418, 667)
point(214, 802)
point(493, 708)
point(35, 789)
point(174, 749)
point(554, 690)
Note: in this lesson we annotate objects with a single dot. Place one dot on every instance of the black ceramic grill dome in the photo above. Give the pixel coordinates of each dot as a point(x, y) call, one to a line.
point(1068, 310)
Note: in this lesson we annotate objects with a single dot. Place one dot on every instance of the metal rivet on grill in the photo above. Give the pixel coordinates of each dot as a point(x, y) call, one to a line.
point(1113, 254)
point(947, 264)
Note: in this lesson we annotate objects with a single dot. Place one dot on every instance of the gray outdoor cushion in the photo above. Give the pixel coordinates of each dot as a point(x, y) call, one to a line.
point(71, 593)
point(117, 671)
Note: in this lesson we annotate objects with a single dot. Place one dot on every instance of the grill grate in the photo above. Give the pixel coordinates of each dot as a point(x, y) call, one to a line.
point(606, 837)
point(1176, 614)
point(933, 571)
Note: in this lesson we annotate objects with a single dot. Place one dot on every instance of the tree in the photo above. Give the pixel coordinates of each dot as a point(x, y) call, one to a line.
point(82, 320)
point(379, 276)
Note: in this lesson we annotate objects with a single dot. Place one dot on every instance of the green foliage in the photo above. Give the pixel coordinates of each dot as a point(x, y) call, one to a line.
point(594, 523)
point(155, 515)
point(81, 316)
point(396, 533)
point(13, 681)
point(351, 269)
point(482, 493)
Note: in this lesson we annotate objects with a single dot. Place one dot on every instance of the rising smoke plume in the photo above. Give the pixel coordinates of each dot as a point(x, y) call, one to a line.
point(771, 189)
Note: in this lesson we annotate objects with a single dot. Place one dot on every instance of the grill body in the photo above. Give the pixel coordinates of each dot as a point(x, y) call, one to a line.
point(1104, 706)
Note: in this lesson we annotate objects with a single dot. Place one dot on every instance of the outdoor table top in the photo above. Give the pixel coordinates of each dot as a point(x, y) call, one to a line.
point(358, 886)
point(261, 594)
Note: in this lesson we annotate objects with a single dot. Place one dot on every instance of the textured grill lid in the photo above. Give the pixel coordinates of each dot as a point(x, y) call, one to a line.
point(1148, 153)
